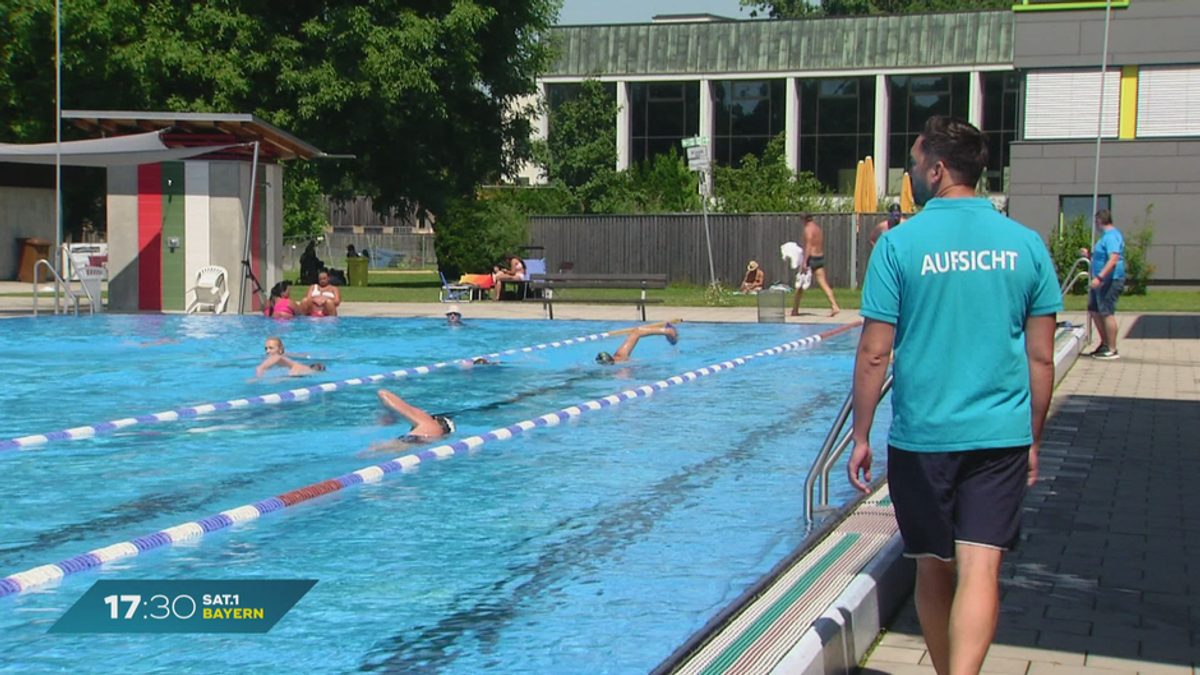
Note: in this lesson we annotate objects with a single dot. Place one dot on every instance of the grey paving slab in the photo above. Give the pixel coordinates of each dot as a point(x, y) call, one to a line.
point(1111, 529)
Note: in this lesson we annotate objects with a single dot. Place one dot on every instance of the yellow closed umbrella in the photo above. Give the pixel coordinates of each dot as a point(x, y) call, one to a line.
point(906, 198)
point(870, 194)
point(858, 186)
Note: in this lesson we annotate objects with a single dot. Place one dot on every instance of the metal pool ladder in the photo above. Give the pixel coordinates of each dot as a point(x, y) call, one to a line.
point(832, 449)
point(69, 294)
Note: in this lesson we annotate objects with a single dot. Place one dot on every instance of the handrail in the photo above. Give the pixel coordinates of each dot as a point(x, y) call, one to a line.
point(73, 271)
point(831, 450)
point(58, 280)
point(1070, 278)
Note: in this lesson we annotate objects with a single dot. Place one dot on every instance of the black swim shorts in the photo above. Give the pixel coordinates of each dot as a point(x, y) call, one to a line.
point(1103, 300)
point(969, 497)
point(816, 262)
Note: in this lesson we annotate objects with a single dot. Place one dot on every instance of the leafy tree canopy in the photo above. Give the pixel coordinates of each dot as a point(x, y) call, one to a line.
point(798, 9)
point(421, 92)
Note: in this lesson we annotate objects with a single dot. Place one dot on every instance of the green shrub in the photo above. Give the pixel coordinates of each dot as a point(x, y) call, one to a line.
point(473, 234)
point(1064, 250)
point(1137, 270)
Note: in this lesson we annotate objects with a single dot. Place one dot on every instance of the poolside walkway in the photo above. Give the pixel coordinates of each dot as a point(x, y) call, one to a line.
point(1107, 579)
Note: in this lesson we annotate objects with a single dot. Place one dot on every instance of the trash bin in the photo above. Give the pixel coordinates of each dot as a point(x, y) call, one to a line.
point(772, 307)
point(356, 271)
point(33, 250)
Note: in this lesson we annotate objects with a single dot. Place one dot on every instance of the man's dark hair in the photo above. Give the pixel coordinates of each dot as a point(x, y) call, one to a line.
point(805, 216)
point(957, 144)
point(1104, 216)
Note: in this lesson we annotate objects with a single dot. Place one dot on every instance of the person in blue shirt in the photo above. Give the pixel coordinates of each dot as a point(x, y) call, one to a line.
point(967, 298)
point(1108, 280)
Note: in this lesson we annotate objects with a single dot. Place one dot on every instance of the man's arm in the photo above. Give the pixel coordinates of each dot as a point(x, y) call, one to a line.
point(876, 233)
point(1109, 266)
point(870, 370)
point(1039, 350)
point(419, 418)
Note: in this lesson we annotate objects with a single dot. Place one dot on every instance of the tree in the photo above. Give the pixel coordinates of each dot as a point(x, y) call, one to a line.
point(799, 9)
point(581, 152)
point(766, 185)
point(422, 93)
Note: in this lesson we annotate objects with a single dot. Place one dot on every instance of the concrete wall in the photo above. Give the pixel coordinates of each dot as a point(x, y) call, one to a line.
point(24, 212)
point(122, 239)
point(228, 190)
point(1149, 32)
point(1162, 173)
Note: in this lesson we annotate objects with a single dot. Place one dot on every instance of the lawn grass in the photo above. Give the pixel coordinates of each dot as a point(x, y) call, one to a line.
point(423, 286)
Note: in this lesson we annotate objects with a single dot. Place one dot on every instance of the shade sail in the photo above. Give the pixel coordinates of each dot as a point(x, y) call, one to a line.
point(147, 148)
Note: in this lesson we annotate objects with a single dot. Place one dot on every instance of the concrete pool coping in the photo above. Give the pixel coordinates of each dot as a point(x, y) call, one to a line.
point(821, 610)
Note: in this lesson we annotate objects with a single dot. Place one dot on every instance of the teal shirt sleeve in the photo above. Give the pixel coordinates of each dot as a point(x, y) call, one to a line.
point(1047, 296)
point(881, 287)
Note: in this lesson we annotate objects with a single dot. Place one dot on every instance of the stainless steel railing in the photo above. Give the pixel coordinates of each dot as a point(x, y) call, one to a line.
point(58, 282)
point(1071, 278)
point(836, 442)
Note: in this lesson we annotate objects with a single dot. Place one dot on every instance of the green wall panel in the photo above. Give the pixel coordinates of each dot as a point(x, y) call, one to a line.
point(174, 267)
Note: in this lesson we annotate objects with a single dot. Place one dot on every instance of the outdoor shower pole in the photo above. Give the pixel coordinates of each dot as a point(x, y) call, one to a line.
point(1099, 136)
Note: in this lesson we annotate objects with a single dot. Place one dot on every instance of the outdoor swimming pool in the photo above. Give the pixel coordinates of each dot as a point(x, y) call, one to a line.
point(597, 546)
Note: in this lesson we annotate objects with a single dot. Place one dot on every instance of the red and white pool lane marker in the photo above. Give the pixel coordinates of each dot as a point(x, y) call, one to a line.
point(45, 574)
point(291, 395)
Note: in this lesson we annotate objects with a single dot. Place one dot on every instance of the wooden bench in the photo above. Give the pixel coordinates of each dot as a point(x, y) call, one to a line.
point(552, 285)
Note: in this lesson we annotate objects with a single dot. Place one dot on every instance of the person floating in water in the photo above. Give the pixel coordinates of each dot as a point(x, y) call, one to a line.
point(454, 316)
point(277, 359)
point(425, 427)
point(622, 354)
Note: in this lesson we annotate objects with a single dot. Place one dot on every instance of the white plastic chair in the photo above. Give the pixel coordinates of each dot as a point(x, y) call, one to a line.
point(91, 277)
point(211, 291)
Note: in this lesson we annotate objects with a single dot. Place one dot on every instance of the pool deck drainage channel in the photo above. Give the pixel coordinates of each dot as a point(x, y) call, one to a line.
point(823, 613)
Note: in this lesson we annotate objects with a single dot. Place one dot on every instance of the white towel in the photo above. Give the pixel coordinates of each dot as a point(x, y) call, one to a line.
point(793, 253)
point(804, 279)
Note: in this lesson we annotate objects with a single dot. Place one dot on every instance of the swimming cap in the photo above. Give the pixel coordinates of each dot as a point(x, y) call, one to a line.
point(604, 359)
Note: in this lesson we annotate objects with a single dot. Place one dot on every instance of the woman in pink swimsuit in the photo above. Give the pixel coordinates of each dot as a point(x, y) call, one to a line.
point(281, 305)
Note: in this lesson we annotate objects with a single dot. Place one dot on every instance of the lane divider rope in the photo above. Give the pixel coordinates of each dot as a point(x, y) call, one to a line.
point(39, 576)
point(270, 399)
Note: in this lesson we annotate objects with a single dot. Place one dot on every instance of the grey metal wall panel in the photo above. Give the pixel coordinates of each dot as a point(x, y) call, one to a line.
point(1149, 32)
point(122, 208)
point(675, 245)
point(1138, 174)
point(844, 43)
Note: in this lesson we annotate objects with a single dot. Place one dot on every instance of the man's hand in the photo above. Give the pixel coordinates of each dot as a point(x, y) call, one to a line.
point(1096, 282)
point(1033, 464)
point(860, 460)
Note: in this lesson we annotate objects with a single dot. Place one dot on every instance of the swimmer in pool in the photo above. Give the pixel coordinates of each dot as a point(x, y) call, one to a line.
point(454, 316)
point(425, 427)
point(277, 359)
point(626, 349)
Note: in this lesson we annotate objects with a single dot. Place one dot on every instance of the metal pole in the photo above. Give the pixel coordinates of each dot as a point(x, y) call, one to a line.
point(58, 229)
point(712, 275)
point(246, 269)
point(1099, 138)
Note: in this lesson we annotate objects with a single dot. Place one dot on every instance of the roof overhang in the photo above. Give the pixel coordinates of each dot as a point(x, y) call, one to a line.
point(183, 130)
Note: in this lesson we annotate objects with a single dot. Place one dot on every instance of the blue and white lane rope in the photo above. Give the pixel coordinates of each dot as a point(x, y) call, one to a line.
point(45, 574)
point(270, 399)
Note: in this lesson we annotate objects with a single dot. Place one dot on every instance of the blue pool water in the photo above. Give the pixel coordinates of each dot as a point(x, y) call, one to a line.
point(594, 547)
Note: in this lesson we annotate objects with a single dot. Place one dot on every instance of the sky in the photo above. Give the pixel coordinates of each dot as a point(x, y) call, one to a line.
point(638, 11)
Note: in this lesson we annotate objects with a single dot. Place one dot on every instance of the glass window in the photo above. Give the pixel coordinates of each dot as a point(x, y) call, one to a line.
point(1001, 92)
point(916, 98)
point(661, 115)
point(558, 94)
point(837, 129)
point(1071, 207)
point(748, 114)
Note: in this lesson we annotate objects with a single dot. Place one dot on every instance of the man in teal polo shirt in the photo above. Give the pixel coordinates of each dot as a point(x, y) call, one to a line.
point(967, 300)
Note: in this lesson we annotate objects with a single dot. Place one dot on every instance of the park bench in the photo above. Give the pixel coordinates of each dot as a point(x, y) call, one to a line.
point(551, 286)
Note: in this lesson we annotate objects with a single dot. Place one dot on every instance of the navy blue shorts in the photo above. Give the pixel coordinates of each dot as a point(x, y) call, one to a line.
point(968, 497)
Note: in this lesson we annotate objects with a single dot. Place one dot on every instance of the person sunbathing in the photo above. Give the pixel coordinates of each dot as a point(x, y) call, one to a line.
point(514, 272)
point(323, 297)
point(755, 279)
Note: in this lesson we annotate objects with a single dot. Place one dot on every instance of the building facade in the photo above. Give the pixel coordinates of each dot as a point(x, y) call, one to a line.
point(841, 89)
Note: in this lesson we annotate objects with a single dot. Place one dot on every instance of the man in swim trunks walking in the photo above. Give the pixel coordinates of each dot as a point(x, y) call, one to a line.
point(814, 259)
point(968, 299)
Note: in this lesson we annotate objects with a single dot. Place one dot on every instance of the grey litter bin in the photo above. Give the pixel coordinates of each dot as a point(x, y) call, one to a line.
point(772, 307)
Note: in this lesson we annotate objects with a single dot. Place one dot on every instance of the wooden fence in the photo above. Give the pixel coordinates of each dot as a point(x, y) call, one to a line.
point(674, 244)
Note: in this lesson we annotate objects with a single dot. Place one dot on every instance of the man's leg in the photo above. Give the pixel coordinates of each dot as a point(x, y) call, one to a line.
point(935, 598)
point(1110, 331)
point(820, 275)
point(796, 301)
point(1098, 322)
point(976, 608)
